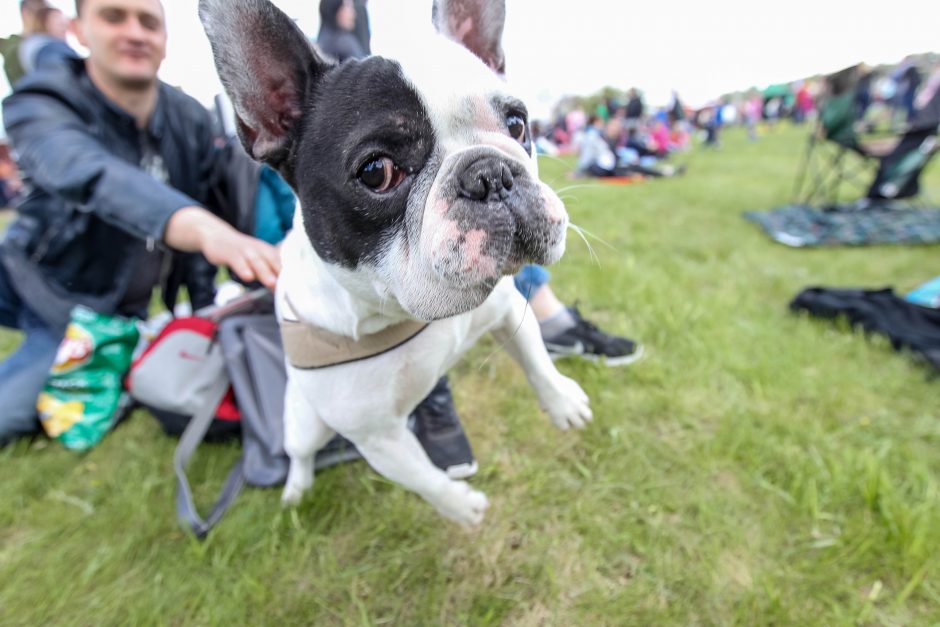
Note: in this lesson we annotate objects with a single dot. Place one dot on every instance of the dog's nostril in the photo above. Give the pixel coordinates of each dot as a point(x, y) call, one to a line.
point(474, 187)
point(507, 177)
point(486, 180)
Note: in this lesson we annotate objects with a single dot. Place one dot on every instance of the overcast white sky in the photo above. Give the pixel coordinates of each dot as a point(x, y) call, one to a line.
point(700, 48)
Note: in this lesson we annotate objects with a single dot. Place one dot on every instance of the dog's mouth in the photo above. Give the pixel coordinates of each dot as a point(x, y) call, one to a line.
point(475, 237)
point(465, 266)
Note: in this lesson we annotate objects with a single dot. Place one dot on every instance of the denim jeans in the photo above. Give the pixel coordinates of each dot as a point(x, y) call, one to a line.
point(23, 373)
point(530, 279)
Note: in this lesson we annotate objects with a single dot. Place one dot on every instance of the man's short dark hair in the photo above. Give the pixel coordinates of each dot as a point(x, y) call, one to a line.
point(78, 6)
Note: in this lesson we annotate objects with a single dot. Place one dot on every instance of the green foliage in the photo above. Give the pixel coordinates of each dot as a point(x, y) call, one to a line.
point(756, 468)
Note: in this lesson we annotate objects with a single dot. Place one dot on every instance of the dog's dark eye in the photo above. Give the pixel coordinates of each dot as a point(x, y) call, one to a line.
point(516, 125)
point(381, 175)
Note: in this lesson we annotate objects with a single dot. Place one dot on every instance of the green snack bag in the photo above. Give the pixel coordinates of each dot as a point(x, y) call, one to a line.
point(78, 402)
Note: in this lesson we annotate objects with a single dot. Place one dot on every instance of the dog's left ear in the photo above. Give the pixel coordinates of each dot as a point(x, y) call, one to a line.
point(477, 25)
point(268, 69)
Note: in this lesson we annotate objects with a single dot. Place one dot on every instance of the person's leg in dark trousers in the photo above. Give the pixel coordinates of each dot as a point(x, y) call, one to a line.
point(23, 373)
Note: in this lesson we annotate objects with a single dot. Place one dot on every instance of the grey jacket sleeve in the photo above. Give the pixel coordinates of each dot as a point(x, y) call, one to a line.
point(60, 154)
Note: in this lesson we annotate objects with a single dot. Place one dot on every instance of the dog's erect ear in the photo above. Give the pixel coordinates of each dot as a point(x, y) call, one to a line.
point(267, 67)
point(477, 25)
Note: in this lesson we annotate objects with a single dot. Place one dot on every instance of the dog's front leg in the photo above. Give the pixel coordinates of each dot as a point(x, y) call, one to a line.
point(562, 398)
point(304, 434)
point(395, 453)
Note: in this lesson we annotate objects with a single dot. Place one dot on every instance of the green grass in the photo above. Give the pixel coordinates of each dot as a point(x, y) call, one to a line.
point(756, 468)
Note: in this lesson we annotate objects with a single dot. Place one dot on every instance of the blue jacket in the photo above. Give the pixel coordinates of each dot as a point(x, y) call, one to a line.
point(89, 205)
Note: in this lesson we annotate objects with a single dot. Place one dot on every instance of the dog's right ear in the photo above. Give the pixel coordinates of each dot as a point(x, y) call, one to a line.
point(268, 69)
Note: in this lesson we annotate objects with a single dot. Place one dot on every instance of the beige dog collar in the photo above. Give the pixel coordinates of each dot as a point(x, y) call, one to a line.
point(309, 347)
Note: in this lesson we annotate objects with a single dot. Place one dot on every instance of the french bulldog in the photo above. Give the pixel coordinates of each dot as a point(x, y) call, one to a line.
point(419, 197)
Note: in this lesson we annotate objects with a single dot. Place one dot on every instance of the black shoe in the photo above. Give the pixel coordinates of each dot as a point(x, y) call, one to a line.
point(585, 340)
point(438, 428)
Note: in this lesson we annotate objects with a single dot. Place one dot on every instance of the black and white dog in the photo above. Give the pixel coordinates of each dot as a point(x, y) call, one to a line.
point(419, 195)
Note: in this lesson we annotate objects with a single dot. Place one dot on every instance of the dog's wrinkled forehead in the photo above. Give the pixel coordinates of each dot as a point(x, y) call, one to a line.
point(373, 99)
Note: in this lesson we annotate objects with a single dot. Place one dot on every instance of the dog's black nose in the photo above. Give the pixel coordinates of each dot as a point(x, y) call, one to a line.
point(488, 179)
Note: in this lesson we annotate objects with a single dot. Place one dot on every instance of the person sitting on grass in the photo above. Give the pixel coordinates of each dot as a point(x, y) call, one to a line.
point(596, 156)
point(118, 164)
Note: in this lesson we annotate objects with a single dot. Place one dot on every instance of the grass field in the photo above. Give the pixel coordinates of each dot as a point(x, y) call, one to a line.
point(756, 468)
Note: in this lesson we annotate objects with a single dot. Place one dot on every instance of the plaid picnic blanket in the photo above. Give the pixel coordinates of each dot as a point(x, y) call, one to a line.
point(802, 225)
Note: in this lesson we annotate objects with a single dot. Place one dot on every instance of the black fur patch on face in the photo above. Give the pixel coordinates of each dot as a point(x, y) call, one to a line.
point(360, 111)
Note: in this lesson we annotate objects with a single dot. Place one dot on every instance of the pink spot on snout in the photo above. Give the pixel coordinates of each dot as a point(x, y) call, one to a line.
point(473, 248)
point(448, 233)
point(463, 251)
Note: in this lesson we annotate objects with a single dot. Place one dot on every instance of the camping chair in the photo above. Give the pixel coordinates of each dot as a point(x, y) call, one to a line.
point(899, 171)
point(835, 153)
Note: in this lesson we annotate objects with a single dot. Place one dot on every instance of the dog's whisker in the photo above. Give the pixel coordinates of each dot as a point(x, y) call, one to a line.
point(552, 157)
point(590, 248)
point(568, 188)
point(584, 231)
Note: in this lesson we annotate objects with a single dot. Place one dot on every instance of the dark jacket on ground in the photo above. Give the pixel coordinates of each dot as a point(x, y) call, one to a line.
point(908, 325)
point(89, 206)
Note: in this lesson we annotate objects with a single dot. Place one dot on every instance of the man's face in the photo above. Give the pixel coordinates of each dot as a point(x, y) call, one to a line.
point(126, 39)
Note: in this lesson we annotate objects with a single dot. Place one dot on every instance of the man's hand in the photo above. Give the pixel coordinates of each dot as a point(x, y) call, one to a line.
point(250, 258)
point(193, 229)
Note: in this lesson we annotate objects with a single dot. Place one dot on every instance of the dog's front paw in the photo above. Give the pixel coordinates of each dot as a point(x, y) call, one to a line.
point(291, 495)
point(461, 503)
point(567, 404)
point(299, 480)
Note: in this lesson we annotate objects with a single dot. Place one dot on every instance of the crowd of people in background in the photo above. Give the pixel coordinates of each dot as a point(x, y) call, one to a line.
point(618, 134)
point(618, 137)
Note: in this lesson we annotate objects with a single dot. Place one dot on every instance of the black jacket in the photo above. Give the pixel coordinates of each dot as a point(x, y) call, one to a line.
point(89, 205)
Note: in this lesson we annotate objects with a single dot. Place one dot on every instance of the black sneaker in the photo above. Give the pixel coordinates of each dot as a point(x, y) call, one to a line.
point(438, 428)
point(585, 340)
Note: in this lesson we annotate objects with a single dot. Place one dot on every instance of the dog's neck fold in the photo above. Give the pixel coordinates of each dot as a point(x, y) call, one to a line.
point(332, 298)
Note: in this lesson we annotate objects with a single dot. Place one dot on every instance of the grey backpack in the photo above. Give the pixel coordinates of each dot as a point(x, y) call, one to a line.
point(188, 378)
